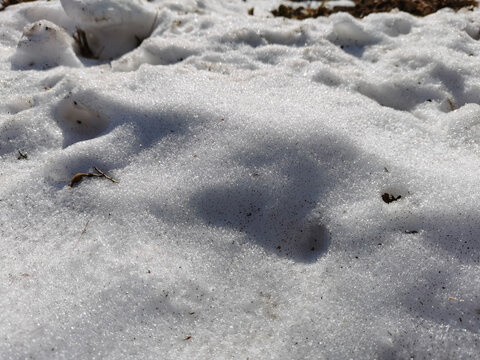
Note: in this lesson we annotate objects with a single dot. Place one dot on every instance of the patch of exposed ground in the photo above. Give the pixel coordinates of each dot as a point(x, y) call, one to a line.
point(365, 7)
point(6, 3)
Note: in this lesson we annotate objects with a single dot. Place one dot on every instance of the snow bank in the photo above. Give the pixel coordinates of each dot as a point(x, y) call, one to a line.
point(287, 189)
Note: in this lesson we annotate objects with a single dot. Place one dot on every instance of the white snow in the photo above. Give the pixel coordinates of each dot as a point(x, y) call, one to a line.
point(44, 45)
point(252, 154)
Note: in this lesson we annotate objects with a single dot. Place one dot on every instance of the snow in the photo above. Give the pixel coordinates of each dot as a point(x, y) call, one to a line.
point(252, 154)
point(44, 45)
point(114, 27)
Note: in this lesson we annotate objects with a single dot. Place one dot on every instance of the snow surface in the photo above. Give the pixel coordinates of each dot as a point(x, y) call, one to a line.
point(252, 154)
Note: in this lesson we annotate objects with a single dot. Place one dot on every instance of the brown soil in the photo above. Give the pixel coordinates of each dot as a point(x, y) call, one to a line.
point(6, 3)
point(364, 7)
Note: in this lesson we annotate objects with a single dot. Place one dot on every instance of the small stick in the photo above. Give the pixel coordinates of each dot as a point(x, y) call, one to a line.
point(451, 103)
point(79, 177)
point(84, 228)
point(80, 38)
point(81, 234)
point(22, 155)
point(105, 175)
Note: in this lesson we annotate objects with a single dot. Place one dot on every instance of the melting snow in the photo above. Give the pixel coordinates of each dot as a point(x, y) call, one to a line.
point(254, 156)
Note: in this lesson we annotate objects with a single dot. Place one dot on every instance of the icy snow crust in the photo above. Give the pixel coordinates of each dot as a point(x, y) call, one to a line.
point(252, 154)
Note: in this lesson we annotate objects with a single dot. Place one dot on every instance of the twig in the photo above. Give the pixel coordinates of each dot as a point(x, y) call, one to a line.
point(84, 228)
point(80, 38)
point(451, 104)
point(79, 177)
point(22, 155)
point(105, 175)
point(81, 234)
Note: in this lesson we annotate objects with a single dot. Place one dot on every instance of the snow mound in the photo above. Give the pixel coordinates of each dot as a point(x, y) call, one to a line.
point(44, 45)
point(349, 31)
